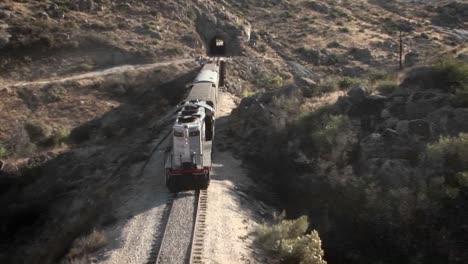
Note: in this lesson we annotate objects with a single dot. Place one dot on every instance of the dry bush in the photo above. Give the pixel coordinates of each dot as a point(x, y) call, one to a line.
point(3, 151)
point(386, 86)
point(37, 131)
point(287, 239)
point(20, 143)
point(82, 246)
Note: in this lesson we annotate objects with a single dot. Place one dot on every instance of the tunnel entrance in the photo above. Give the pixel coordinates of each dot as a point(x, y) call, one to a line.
point(217, 47)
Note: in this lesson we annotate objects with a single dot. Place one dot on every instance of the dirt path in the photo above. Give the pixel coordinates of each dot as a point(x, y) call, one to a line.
point(103, 73)
point(229, 219)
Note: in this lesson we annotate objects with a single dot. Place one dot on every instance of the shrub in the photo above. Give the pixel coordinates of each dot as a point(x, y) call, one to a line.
point(271, 81)
point(451, 75)
point(386, 87)
point(451, 152)
point(20, 144)
point(3, 151)
point(328, 134)
point(327, 86)
point(287, 239)
point(37, 131)
point(246, 92)
point(58, 136)
point(53, 93)
point(346, 82)
point(380, 75)
point(87, 244)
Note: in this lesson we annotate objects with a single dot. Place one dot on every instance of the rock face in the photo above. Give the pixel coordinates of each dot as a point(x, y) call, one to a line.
point(218, 24)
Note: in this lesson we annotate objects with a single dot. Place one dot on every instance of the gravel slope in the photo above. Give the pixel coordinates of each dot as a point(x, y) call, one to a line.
point(131, 240)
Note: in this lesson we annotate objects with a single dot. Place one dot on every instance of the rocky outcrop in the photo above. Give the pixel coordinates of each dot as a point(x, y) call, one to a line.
point(363, 55)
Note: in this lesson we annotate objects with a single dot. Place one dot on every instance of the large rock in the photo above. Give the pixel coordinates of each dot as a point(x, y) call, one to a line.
point(420, 77)
point(353, 71)
point(411, 59)
point(357, 93)
point(4, 39)
point(363, 55)
point(420, 104)
point(318, 6)
point(420, 128)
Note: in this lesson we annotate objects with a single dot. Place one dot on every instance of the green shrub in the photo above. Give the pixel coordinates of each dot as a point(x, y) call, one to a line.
point(20, 144)
point(451, 152)
point(376, 76)
point(327, 86)
point(3, 151)
point(346, 82)
point(451, 75)
point(53, 93)
point(328, 134)
point(386, 86)
point(37, 131)
point(271, 81)
point(287, 239)
point(58, 136)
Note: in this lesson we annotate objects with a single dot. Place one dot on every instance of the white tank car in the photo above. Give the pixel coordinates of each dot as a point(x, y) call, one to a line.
point(189, 165)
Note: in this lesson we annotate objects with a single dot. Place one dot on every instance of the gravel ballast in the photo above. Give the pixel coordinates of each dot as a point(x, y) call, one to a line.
point(178, 236)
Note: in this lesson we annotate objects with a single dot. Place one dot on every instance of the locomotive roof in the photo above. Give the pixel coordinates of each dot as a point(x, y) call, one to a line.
point(204, 91)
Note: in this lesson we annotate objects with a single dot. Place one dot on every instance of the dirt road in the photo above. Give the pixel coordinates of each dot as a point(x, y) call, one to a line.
point(103, 73)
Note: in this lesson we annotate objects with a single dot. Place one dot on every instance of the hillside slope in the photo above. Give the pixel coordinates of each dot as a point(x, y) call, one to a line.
point(82, 91)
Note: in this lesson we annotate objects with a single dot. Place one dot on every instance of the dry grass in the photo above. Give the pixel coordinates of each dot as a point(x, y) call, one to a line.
point(83, 246)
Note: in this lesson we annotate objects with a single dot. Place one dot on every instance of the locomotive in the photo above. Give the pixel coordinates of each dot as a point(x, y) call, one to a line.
point(189, 164)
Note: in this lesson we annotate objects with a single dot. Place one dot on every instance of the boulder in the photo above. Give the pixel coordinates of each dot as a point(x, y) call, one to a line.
point(4, 39)
point(372, 146)
point(420, 128)
point(363, 55)
point(353, 71)
point(420, 104)
point(357, 92)
point(411, 59)
point(319, 7)
point(419, 77)
point(402, 127)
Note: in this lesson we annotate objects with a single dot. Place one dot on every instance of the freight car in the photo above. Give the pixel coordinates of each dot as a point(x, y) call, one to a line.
point(189, 164)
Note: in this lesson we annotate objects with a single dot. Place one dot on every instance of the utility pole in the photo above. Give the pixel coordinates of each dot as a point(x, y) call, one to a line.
point(401, 51)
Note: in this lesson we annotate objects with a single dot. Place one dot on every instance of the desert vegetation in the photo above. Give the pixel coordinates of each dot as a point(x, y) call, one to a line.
point(371, 183)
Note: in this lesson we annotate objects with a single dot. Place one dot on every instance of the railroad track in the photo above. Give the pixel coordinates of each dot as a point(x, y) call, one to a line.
point(199, 228)
point(182, 240)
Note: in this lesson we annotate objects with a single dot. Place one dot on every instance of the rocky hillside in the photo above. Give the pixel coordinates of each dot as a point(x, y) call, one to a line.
point(61, 132)
point(382, 169)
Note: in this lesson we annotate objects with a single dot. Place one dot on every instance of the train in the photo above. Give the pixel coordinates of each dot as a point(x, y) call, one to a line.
point(188, 165)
